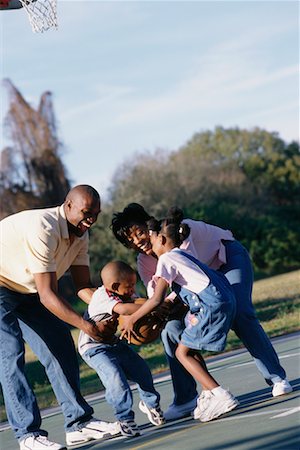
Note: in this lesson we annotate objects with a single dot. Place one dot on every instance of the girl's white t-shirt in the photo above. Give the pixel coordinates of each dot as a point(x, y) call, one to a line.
point(204, 243)
point(173, 266)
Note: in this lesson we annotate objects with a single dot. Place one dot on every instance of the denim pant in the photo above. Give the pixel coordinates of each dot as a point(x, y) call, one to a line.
point(24, 317)
point(238, 270)
point(246, 326)
point(115, 364)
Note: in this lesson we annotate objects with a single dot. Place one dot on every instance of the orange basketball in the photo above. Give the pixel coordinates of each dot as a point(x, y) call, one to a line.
point(147, 328)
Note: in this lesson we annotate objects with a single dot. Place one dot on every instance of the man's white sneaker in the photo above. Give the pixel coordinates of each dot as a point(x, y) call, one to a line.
point(200, 400)
point(214, 406)
point(155, 415)
point(94, 429)
point(179, 411)
point(281, 388)
point(40, 443)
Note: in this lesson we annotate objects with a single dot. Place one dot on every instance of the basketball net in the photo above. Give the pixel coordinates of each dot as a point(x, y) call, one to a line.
point(42, 14)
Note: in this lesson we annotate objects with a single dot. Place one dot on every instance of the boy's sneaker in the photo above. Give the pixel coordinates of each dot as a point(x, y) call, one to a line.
point(40, 443)
point(94, 429)
point(129, 428)
point(155, 415)
point(213, 406)
point(281, 388)
point(200, 400)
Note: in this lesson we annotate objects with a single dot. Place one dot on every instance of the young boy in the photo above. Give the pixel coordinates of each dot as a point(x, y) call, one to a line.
point(114, 360)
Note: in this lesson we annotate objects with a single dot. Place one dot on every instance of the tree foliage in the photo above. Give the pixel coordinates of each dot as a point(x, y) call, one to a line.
point(244, 180)
point(32, 173)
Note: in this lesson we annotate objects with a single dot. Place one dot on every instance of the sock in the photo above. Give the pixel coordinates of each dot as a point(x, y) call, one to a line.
point(218, 391)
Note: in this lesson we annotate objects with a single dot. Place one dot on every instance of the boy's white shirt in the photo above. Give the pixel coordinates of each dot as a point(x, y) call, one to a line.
point(99, 309)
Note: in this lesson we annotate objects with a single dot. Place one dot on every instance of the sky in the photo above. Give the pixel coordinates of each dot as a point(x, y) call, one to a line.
point(135, 76)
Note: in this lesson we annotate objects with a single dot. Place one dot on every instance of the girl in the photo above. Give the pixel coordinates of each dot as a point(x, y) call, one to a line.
point(211, 309)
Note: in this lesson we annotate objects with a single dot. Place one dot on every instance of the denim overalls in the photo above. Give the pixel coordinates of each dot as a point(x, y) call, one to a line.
point(211, 311)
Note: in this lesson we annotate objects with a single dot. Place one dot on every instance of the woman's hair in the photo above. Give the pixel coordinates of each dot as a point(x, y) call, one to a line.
point(172, 226)
point(133, 214)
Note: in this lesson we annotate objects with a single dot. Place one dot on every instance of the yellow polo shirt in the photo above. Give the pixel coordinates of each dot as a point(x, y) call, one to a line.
point(37, 241)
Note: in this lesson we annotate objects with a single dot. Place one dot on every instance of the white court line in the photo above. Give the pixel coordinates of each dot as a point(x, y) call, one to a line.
point(252, 362)
point(287, 413)
point(246, 416)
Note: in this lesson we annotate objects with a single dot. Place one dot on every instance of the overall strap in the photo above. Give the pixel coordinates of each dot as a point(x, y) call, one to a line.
point(192, 258)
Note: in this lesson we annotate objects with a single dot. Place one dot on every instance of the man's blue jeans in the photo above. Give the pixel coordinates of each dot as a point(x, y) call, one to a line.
point(238, 270)
point(115, 364)
point(24, 317)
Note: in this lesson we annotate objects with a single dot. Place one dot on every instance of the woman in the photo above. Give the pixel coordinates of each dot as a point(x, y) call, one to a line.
point(218, 249)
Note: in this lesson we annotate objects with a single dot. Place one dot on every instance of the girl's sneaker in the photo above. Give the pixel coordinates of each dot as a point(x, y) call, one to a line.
point(129, 428)
point(155, 415)
point(213, 406)
point(200, 403)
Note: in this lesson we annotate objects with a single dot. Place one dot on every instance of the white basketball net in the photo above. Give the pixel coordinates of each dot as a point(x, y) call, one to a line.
point(42, 14)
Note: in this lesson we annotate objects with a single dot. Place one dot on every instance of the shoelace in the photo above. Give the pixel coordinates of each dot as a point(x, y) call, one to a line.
point(43, 440)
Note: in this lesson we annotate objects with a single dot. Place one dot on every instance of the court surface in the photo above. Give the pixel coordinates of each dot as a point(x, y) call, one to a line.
point(261, 422)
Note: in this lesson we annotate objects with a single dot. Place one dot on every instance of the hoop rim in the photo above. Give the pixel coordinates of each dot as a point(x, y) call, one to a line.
point(10, 4)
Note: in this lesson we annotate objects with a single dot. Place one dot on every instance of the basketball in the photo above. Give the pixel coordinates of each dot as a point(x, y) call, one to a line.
point(147, 328)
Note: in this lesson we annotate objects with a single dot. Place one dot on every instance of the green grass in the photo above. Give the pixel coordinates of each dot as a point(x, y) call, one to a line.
point(277, 303)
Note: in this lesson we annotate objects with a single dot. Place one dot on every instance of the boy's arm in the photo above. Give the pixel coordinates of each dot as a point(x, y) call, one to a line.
point(126, 308)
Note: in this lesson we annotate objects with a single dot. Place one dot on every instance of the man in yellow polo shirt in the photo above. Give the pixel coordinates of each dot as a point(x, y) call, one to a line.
point(37, 247)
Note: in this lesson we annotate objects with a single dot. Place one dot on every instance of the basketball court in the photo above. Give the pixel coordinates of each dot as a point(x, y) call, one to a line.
point(261, 422)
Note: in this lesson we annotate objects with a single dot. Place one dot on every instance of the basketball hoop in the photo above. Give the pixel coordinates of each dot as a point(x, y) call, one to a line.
point(42, 14)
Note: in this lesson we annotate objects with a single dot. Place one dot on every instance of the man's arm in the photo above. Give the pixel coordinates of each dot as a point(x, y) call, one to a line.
point(46, 284)
point(82, 281)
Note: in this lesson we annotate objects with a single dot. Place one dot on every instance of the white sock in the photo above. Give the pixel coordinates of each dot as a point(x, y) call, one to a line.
point(218, 391)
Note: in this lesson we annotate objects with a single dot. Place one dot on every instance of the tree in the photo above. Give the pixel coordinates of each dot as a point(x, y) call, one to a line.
point(32, 173)
point(244, 180)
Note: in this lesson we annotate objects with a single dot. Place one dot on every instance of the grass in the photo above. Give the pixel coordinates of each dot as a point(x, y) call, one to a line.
point(277, 303)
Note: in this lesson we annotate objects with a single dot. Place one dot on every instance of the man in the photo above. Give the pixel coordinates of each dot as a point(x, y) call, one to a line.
point(37, 247)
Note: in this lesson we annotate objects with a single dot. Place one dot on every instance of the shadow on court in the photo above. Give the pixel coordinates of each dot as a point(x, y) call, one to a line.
point(261, 422)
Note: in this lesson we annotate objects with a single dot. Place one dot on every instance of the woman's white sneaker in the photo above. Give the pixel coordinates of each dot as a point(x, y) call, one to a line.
point(40, 443)
point(281, 388)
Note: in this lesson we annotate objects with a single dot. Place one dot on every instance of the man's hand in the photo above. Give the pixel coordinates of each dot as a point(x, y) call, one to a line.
point(101, 331)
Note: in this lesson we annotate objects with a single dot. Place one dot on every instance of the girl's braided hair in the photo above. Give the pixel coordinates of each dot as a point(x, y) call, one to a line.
point(171, 226)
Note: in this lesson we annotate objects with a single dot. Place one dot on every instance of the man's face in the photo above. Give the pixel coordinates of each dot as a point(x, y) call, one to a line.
point(81, 213)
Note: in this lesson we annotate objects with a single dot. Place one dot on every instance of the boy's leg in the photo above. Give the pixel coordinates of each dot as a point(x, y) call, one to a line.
point(105, 360)
point(238, 270)
point(137, 370)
